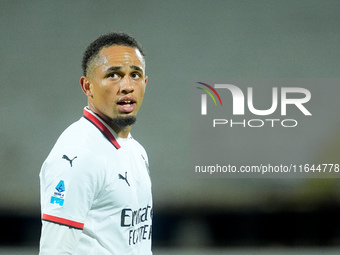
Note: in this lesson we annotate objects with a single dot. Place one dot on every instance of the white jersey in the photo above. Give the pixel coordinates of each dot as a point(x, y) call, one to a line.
point(97, 182)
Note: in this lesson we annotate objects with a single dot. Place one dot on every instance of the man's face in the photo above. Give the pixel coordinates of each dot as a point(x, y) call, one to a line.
point(116, 82)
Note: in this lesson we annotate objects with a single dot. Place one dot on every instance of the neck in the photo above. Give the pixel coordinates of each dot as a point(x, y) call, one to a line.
point(121, 132)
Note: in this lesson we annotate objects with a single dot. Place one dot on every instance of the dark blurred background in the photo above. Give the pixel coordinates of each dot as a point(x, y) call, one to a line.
point(41, 48)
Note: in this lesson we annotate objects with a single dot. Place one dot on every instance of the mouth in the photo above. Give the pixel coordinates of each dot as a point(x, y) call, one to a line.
point(126, 105)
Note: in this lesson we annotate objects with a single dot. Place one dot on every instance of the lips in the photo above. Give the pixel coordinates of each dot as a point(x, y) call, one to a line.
point(126, 104)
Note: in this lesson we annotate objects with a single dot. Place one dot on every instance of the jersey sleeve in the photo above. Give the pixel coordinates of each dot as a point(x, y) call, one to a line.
point(70, 181)
point(58, 239)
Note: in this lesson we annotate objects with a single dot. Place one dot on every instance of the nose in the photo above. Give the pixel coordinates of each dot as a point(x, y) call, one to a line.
point(126, 86)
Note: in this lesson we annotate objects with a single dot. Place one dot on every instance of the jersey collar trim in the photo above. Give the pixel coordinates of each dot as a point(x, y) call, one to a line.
point(97, 122)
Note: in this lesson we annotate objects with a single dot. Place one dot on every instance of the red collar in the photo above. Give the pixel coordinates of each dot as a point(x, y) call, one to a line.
point(98, 124)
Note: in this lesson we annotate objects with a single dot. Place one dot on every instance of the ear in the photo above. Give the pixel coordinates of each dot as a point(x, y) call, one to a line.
point(86, 86)
point(146, 80)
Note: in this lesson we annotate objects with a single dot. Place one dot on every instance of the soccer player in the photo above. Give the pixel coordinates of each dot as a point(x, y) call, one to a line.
point(95, 183)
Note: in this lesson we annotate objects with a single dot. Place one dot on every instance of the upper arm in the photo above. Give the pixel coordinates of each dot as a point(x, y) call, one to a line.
point(58, 239)
point(68, 190)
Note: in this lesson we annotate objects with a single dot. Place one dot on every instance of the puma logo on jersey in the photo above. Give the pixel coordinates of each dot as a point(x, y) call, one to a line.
point(124, 178)
point(70, 160)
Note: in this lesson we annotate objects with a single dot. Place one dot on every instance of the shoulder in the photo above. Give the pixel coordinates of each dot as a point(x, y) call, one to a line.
point(77, 149)
point(77, 133)
point(136, 144)
point(81, 136)
point(139, 149)
point(77, 168)
point(73, 162)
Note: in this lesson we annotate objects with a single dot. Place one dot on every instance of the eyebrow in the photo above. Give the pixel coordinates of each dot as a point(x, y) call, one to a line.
point(116, 68)
point(137, 68)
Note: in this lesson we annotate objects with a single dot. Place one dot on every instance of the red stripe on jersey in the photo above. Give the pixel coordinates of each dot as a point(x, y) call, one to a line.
point(95, 121)
point(63, 221)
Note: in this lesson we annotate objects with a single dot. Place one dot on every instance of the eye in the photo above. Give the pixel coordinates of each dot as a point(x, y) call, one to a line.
point(135, 75)
point(113, 75)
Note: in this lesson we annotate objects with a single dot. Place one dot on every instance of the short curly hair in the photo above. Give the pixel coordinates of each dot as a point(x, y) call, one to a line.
point(106, 40)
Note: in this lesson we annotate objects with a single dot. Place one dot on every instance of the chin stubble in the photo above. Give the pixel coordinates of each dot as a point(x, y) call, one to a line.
point(124, 122)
